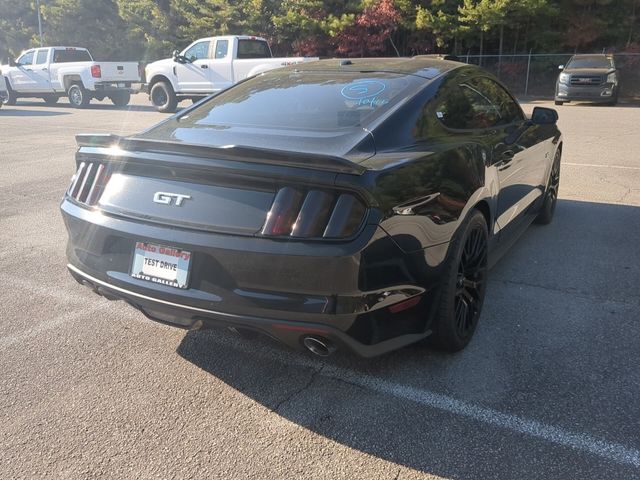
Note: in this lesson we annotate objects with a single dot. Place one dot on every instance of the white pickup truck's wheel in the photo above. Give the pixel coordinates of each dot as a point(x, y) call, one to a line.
point(163, 97)
point(10, 96)
point(78, 96)
point(120, 99)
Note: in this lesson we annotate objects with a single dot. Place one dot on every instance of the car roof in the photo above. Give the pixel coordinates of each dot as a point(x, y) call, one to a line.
point(426, 66)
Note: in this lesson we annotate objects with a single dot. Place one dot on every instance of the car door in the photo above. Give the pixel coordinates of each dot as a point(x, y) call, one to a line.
point(41, 71)
point(193, 76)
point(515, 153)
point(21, 76)
point(221, 66)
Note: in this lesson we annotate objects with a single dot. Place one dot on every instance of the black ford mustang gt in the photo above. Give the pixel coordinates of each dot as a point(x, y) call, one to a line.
point(354, 204)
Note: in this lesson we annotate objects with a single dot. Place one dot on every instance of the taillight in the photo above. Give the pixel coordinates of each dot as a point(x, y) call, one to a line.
point(96, 72)
point(313, 214)
point(88, 182)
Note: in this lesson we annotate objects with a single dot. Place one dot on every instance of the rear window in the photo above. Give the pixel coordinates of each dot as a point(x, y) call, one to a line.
point(68, 56)
point(305, 101)
point(253, 49)
point(590, 62)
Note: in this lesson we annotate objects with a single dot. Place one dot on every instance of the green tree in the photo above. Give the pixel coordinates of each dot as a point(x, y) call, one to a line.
point(87, 23)
point(151, 27)
point(18, 27)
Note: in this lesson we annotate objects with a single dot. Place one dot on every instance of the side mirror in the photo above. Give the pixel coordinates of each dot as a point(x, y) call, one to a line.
point(13, 63)
point(544, 116)
point(176, 55)
point(560, 67)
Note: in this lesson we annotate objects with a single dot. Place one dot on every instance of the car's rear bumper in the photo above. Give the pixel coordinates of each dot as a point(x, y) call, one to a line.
point(115, 87)
point(591, 93)
point(344, 293)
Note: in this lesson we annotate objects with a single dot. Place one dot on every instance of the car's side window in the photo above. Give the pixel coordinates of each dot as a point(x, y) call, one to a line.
point(26, 59)
point(462, 107)
point(198, 51)
point(41, 57)
point(221, 48)
point(509, 110)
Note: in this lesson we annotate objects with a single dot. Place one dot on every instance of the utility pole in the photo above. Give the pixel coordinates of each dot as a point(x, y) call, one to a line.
point(39, 21)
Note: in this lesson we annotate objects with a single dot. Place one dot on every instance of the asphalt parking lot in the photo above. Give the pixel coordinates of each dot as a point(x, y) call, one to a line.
point(548, 388)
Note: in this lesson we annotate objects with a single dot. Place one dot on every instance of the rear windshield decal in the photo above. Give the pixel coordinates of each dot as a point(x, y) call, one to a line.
point(363, 89)
point(365, 92)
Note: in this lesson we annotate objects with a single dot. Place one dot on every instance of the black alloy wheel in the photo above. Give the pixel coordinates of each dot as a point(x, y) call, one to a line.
point(10, 96)
point(470, 282)
point(465, 281)
point(163, 97)
point(551, 193)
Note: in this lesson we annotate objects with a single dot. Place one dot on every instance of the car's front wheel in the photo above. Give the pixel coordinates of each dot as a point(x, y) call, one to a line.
point(10, 98)
point(551, 192)
point(464, 283)
point(163, 97)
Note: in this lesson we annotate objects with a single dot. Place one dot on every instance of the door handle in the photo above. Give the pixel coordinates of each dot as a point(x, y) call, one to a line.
point(45, 69)
point(204, 66)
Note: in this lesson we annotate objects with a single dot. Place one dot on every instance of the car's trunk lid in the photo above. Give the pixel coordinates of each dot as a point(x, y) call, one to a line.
point(226, 190)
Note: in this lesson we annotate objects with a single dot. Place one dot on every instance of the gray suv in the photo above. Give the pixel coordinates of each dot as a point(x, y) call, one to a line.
point(591, 78)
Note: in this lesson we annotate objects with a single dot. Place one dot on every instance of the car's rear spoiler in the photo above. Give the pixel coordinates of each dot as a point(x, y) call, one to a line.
point(231, 152)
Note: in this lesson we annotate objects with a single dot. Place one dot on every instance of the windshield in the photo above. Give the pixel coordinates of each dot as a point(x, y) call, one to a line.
point(304, 101)
point(590, 62)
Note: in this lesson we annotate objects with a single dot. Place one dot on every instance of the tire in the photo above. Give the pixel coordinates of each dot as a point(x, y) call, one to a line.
point(11, 98)
point(79, 97)
point(550, 193)
point(558, 102)
point(461, 294)
point(121, 99)
point(163, 97)
point(50, 99)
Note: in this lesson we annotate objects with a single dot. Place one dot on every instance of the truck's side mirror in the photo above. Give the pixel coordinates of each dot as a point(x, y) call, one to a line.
point(176, 56)
point(560, 67)
point(13, 63)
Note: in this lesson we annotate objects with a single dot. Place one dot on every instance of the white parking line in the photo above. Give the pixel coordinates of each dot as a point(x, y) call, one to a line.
point(557, 435)
point(596, 165)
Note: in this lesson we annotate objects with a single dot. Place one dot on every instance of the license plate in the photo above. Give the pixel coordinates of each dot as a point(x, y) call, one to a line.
point(121, 85)
point(160, 264)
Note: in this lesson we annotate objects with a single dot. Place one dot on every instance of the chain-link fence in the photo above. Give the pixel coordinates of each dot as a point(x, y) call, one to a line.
point(536, 74)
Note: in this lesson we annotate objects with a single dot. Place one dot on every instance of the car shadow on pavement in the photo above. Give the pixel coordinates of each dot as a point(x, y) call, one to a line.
point(552, 305)
point(92, 106)
point(20, 112)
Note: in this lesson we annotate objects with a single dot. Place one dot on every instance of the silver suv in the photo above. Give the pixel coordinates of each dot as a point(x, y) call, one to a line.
point(590, 78)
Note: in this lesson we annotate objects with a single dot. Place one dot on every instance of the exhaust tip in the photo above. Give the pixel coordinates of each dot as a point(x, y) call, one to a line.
point(318, 346)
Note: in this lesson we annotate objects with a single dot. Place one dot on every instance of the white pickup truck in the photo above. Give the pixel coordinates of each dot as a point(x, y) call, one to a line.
point(209, 65)
point(3, 90)
point(53, 72)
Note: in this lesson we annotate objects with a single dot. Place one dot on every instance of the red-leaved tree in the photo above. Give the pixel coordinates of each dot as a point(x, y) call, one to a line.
point(370, 32)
